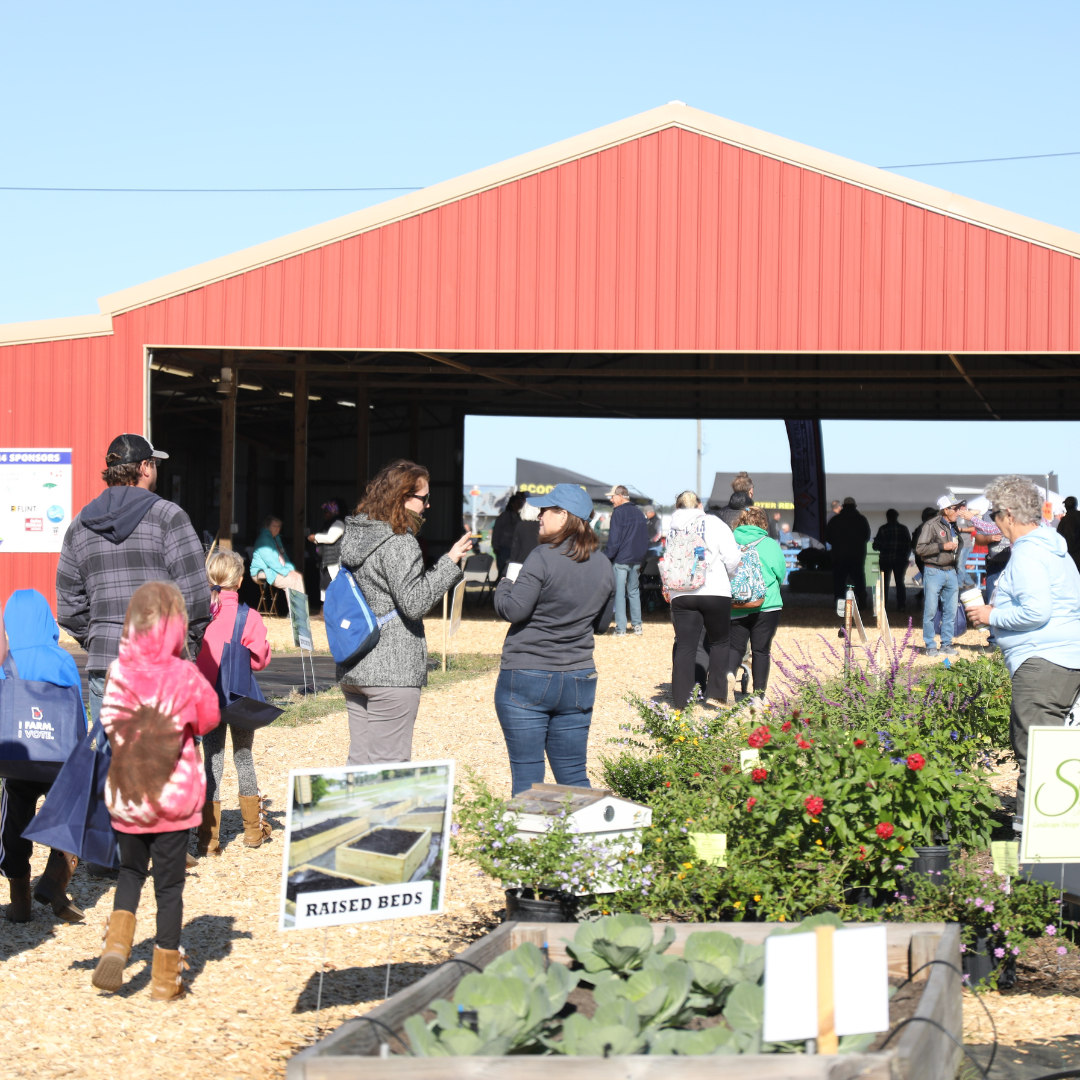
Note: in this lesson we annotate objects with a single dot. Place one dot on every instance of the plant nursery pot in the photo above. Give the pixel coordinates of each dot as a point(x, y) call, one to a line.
point(931, 862)
point(867, 896)
point(979, 962)
point(522, 905)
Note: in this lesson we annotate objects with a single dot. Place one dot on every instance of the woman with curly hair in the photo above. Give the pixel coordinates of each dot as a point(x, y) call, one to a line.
point(380, 549)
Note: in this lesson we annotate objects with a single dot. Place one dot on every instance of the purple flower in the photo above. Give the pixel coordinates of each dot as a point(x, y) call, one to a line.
point(455, 829)
point(1061, 950)
point(989, 909)
point(999, 953)
point(997, 926)
point(978, 901)
point(1051, 930)
point(1016, 951)
point(963, 947)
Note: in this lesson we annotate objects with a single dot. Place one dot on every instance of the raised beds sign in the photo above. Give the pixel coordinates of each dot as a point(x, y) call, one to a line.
point(365, 843)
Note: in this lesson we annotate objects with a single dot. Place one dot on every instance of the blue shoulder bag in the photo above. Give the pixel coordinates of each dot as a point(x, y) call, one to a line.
point(352, 628)
point(239, 694)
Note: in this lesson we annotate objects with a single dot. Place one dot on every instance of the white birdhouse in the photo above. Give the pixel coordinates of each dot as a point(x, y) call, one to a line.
point(594, 811)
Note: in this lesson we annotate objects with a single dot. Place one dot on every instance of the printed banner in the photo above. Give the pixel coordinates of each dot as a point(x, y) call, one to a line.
point(35, 498)
point(807, 477)
point(299, 619)
point(365, 843)
point(1052, 796)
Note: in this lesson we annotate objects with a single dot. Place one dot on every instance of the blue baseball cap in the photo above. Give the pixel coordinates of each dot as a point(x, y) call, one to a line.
point(567, 497)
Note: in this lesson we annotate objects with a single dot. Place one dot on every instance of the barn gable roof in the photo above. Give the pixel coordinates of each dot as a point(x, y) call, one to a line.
point(672, 115)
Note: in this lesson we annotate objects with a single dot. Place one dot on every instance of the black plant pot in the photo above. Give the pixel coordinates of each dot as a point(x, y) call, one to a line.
point(868, 896)
point(931, 862)
point(979, 962)
point(523, 905)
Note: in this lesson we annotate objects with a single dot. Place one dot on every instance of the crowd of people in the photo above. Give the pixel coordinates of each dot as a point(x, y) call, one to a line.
point(163, 626)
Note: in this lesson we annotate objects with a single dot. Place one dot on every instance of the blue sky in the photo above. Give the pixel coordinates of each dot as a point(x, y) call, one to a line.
point(351, 94)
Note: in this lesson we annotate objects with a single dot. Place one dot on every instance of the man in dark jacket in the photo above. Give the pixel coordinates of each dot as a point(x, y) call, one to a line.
point(628, 543)
point(502, 532)
point(124, 538)
point(938, 546)
point(1069, 528)
point(893, 545)
point(742, 496)
point(848, 533)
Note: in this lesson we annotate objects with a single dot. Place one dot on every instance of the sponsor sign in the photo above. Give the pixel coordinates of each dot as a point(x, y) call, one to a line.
point(1052, 796)
point(35, 498)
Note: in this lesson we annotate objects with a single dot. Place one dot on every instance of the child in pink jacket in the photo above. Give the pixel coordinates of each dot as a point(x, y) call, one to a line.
point(154, 706)
point(225, 569)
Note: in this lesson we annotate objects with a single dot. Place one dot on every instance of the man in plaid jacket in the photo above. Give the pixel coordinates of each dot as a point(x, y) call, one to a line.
point(124, 538)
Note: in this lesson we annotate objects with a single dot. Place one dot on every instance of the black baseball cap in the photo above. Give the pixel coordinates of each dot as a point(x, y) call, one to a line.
point(130, 450)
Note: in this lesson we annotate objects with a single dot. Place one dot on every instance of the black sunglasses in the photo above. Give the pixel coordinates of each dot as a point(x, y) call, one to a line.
point(995, 514)
point(424, 498)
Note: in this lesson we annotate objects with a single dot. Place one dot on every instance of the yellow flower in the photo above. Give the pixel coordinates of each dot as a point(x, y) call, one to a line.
point(819, 843)
point(737, 905)
point(682, 877)
point(901, 847)
point(687, 865)
point(815, 820)
point(658, 840)
point(696, 743)
point(757, 899)
point(783, 918)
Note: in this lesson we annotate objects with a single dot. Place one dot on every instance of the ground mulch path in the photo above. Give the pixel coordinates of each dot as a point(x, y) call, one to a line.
point(254, 988)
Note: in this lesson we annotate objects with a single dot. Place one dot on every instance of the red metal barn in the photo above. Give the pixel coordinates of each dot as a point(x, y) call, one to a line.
point(671, 264)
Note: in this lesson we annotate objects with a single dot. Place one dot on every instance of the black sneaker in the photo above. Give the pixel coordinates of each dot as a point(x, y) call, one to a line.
point(949, 650)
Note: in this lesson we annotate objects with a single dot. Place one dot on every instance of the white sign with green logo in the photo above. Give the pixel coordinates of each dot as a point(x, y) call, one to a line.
point(1052, 797)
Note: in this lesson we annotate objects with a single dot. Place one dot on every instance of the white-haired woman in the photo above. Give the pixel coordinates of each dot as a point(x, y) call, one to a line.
point(1035, 615)
point(708, 606)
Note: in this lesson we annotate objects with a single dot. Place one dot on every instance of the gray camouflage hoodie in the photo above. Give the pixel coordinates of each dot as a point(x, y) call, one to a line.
point(389, 568)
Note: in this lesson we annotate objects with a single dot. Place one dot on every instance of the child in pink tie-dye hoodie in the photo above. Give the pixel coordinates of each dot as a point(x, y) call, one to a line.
point(154, 706)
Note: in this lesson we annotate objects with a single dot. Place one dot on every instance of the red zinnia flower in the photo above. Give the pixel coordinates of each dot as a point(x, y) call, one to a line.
point(697, 774)
point(725, 769)
point(750, 803)
point(884, 830)
point(759, 775)
point(759, 737)
point(802, 744)
point(860, 742)
point(785, 726)
point(915, 762)
point(862, 853)
point(814, 805)
point(667, 783)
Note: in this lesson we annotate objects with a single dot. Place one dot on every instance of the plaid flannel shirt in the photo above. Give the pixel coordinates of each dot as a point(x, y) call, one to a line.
point(96, 578)
point(893, 542)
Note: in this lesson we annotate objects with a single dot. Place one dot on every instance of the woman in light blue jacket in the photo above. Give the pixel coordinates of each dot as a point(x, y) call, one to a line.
point(269, 559)
point(1035, 615)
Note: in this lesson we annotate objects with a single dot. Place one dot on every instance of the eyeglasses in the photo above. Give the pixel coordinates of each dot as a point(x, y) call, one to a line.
point(423, 498)
point(995, 514)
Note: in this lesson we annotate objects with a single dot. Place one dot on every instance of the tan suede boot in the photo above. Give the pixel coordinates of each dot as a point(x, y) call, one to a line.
point(165, 980)
point(51, 889)
point(20, 909)
point(119, 934)
point(209, 832)
point(256, 827)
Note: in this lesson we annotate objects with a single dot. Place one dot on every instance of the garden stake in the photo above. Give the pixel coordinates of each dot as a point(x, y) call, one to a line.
point(322, 971)
point(389, 958)
point(849, 603)
point(827, 1042)
point(444, 631)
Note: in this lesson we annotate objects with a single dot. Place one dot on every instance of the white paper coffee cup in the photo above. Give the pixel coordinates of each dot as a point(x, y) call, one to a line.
point(971, 598)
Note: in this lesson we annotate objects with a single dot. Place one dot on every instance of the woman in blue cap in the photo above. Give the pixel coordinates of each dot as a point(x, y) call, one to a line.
point(32, 639)
point(563, 593)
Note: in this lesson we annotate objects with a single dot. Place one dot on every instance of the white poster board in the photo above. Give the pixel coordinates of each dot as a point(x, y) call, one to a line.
point(457, 605)
point(337, 869)
point(1052, 796)
point(35, 498)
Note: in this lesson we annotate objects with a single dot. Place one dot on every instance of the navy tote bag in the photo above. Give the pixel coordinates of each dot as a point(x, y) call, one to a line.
point(239, 694)
point(40, 725)
point(74, 817)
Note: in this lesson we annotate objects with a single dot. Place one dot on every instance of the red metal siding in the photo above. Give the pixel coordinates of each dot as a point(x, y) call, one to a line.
point(65, 393)
point(672, 241)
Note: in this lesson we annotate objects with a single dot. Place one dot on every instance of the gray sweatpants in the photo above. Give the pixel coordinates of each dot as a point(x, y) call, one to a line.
point(381, 720)
point(1042, 695)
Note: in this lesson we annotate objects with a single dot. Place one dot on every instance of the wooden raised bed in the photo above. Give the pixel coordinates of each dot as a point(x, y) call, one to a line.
point(290, 905)
point(389, 810)
point(919, 1052)
point(385, 869)
point(311, 847)
point(424, 819)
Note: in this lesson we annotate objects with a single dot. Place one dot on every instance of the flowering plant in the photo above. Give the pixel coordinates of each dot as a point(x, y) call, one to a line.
point(560, 861)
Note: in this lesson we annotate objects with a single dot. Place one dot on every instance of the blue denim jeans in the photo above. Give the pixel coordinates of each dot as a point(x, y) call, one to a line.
point(546, 711)
point(939, 584)
point(96, 681)
point(626, 586)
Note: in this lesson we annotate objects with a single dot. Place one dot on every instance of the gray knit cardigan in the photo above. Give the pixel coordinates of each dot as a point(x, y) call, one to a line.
point(389, 568)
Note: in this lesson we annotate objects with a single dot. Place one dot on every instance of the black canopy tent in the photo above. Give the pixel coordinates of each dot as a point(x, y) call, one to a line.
point(538, 478)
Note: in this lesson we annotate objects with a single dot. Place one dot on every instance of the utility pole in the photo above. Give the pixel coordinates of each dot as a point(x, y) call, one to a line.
point(698, 481)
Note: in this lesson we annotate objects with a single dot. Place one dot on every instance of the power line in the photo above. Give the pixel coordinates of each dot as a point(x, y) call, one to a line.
point(980, 161)
point(208, 191)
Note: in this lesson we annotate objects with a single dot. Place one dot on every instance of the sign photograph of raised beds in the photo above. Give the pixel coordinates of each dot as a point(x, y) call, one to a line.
point(365, 842)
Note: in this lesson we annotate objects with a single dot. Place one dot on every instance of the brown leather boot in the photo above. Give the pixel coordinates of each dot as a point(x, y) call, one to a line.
point(256, 827)
point(119, 934)
point(165, 980)
point(207, 837)
point(51, 889)
point(20, 909)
